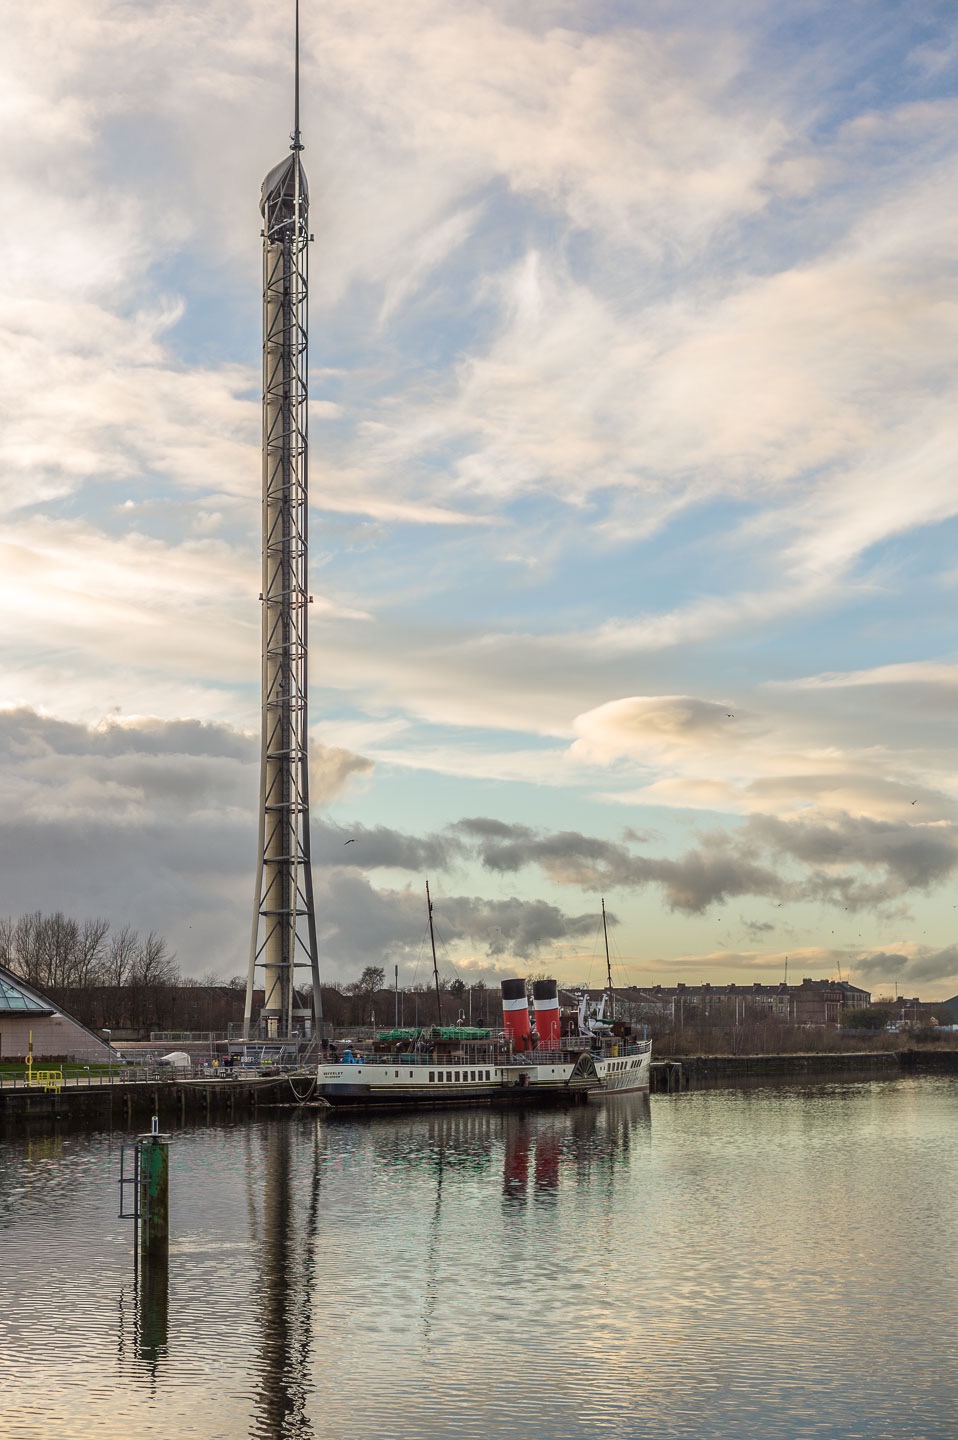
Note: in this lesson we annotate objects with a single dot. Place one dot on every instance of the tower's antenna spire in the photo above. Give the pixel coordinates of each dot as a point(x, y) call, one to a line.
point(297, 142)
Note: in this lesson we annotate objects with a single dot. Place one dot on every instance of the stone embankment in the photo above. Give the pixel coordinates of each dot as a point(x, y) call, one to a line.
point(697, 1072)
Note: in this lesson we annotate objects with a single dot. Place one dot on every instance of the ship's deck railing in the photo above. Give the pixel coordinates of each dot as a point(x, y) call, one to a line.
point(500, 1057)
point(431, 1057)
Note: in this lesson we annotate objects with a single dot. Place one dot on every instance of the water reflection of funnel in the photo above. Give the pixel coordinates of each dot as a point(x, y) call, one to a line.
point(515, 1166)
point(154, 1307)
point(548, 1150)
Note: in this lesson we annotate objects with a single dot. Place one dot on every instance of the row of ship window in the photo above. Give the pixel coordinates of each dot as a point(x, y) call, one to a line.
point(439, 1075)
point(450, 1075)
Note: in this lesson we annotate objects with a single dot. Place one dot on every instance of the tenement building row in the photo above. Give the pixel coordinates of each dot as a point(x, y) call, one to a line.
point(813, 1002)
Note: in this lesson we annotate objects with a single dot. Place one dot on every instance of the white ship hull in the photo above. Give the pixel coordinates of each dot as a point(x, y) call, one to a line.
point(484, 1079)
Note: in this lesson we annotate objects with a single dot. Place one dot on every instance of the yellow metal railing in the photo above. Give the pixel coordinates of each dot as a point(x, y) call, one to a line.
point(49, 1079)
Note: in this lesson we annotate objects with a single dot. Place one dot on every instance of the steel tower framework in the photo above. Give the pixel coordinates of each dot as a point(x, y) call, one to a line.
point(284, 923)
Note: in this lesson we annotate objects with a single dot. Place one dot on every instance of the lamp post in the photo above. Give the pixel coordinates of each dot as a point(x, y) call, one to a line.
point(108, 1034)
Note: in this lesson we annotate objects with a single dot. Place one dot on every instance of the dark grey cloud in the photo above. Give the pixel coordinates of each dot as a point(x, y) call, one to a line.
point(510, 927)
point(882, 964)
point(934, 964)
point(485, 829)
point(137, 752)
point(380, 848)
point(567, 857)
point(691, 883)
point(909, 970)
point(847, 861)
point(25, 735)
point(915, 856)
point(361, 925)
point(709, 876)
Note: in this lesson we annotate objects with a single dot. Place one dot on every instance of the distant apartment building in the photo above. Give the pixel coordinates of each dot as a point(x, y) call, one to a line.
point(813, 1002)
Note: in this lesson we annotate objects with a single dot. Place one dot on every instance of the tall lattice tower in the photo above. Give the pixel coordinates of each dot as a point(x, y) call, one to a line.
point(284, 922)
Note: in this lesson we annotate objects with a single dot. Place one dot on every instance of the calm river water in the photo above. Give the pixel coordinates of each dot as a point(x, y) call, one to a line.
point(726, 1264)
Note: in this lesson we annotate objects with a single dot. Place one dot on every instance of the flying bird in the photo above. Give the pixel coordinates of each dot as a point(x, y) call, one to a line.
point(350, 842)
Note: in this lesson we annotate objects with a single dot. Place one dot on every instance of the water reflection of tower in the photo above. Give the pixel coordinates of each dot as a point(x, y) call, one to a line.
point(285, 1295)
point(431, 1289)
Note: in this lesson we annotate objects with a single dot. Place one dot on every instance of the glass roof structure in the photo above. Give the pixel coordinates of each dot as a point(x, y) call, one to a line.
point(17, 1001)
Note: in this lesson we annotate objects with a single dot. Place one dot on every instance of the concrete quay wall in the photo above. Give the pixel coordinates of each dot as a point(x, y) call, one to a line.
point(132, 1104)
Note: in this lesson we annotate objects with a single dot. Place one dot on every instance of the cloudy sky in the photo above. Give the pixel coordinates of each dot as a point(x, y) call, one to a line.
point(633, 477)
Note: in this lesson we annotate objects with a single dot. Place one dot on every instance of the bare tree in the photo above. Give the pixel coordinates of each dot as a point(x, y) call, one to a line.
point(58, 938)
point(119, 963)
point(153, 963)
point(90, 953)
point(24, 948)
point(55, 951)
point(6, 941)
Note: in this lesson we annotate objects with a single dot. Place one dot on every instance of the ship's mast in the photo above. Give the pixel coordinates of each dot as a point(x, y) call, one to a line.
point(435, 967)
point(608, 966)
point(284, 923)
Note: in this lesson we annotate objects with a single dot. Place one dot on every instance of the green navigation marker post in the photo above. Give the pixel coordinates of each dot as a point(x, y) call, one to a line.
point(154, 1193)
